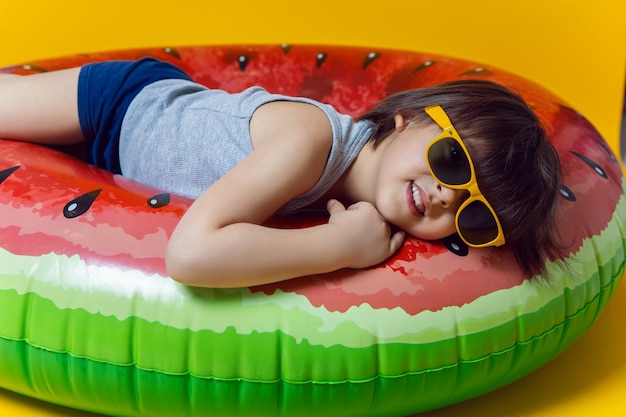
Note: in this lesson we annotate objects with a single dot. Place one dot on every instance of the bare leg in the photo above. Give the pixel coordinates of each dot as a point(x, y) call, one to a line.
point(40, 108)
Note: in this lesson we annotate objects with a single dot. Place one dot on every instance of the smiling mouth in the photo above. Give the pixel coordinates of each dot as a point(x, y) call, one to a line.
point(418, 205)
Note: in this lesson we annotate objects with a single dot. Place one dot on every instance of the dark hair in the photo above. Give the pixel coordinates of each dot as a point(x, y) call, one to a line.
point(517, 168)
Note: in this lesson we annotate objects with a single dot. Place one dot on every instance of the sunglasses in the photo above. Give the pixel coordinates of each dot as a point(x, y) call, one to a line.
point(449, 162)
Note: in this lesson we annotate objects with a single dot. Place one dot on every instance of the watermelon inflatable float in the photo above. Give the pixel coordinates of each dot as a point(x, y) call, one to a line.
point(90, 320)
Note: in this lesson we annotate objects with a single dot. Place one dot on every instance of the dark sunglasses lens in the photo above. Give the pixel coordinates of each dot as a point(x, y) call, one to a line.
point(477, 224)
point(449, 162)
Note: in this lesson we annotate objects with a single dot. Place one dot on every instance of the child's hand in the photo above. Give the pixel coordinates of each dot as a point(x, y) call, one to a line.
point(367, 236)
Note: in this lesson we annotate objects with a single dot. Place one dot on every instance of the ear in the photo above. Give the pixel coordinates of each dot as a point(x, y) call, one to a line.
point(399, 122)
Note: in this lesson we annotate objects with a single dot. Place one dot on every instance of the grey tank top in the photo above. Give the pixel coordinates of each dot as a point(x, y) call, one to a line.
point(181, 137)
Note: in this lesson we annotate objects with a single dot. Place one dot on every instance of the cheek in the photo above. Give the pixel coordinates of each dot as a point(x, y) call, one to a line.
point(449, 227)
point(406, 153)
point(435, 229)
point(445, 227)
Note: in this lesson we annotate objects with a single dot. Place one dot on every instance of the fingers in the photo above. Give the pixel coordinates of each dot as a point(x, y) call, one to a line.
point(396, 241)
point(334, 206)
point(387, 241)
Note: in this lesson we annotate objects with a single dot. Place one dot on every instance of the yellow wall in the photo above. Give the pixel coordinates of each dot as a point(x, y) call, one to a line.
point(576, 49)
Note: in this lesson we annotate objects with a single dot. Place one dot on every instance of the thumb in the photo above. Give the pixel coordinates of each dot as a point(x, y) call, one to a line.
point(334, 206)
point(396, 241)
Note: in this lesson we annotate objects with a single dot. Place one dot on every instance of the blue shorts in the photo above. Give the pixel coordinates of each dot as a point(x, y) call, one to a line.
point(105, 90)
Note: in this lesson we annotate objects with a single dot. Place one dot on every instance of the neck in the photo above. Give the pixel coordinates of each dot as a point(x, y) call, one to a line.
point(355, 183)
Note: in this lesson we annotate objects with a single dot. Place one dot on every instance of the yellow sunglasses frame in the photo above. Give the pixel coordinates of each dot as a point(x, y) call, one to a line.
point(439, 116)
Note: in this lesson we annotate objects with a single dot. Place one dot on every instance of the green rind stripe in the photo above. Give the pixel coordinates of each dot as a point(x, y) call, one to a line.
point(63, 378)
point(91, 385)
point(262, 356)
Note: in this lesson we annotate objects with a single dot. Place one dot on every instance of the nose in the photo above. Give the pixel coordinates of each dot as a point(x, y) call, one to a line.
point(445, 197)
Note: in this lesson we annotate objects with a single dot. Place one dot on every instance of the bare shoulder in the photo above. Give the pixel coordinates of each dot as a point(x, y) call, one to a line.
point(292, 121)
point(292, 142)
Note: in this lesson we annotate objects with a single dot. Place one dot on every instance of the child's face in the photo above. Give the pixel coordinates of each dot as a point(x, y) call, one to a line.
point(406, 194)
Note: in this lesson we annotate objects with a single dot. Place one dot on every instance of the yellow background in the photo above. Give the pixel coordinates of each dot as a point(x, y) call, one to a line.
point(576, 49)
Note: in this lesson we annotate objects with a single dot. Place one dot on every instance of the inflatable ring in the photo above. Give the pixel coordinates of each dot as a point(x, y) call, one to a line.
point(90, 320)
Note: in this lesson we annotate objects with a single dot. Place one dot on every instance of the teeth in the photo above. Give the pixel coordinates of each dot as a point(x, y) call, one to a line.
point(417, 198)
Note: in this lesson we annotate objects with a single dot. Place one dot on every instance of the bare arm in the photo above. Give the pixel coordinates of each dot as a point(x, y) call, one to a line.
point(221, 242)
point(247, 254)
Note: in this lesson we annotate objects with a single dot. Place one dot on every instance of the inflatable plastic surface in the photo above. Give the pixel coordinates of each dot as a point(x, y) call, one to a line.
point(89, 319)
